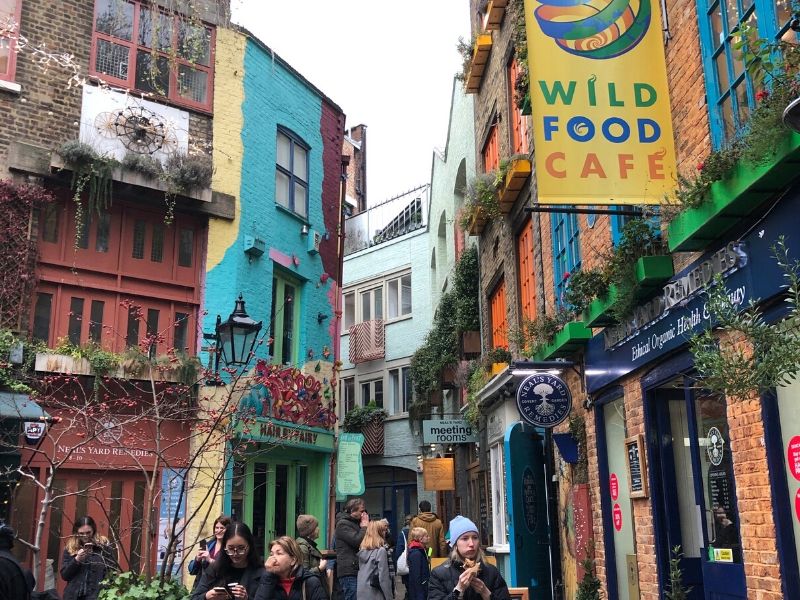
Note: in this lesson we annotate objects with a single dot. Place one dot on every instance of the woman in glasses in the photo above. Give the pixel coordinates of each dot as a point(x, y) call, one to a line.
point(88, 558)
point(237, 570)
point(286, 579)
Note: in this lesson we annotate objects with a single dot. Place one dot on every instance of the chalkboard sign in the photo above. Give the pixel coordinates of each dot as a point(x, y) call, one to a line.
point(637, 466)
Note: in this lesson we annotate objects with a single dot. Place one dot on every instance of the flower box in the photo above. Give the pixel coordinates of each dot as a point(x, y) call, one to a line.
point(480, 56)
point(652, 271)
point(735, 197)
point(597, 314)
point(477, 222)
point(470, 342)
point(571, 338)
point(518, 172)
point(495, 13)
point(498, 368)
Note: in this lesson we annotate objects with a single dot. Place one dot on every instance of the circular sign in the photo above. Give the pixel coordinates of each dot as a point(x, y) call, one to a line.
point(108, 430)
point(544, 400)
point(617, 516)
point(716, 446)
point(613, 484)
point(529, 499)
point(793, 456)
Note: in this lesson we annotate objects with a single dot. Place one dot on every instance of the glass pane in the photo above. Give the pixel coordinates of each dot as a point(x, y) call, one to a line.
point(75, 320)
point(379, 392)
point(365, 394)
point(152, 75)
point(288, 324)
point(349, 394)
point(83, 234)
point(114, 17)
point(691, 536)
point(7, 12)
point(393, 299)
point(727, 117)
point(136, 526)
point(103, 229)
point(155, 29)
point(300, 163)
point(737, 63)
point(282, 188)
point(732, 14)
point(407, 389)
point(132, 337)
point(366, 306)
point(284, 152)
point(394, 391)
point(378, 303)
point(186, 248)
point(138, 239)
point(722, 517)
point(717, 37)
point(405, 295)
point(157, 243)
point(96, 322)
point(742, 103)
point(619, 489)
point(194, 43)
point(788, 398)
point(112, 59)
point(49, 224)
point(783, 10)
point(300, 200)
point(349, 310)
point(273, 312)
point(721, 67)
point(181, 329)
point(193, 84)
point(41, 317)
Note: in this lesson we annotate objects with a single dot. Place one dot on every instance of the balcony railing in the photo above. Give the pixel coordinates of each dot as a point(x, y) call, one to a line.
point(367, 341)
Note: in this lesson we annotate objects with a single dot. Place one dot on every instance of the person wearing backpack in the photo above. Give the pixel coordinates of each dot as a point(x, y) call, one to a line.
point(419, 570)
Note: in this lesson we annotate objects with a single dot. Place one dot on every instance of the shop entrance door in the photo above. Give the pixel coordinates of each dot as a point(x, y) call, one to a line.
point(279, 495)
point(694, 491)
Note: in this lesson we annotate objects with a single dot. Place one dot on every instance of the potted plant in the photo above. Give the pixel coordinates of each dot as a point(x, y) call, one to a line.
point(480, 203)
point(369, 421)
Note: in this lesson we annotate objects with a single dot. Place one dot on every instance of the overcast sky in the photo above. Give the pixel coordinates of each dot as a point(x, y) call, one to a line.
point(387, 66)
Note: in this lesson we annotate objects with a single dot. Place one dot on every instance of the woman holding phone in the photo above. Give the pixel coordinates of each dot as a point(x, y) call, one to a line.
point(208, 550)
point(236, 572)
point(87, 559)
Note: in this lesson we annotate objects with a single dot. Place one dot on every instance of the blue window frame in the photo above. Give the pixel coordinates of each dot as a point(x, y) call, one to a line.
point(291, 173)
point(566, 250)
point(729, 89)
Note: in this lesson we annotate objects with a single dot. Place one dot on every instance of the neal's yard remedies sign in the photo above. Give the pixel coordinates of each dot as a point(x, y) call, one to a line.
point(544, 400)
point(598, 84)
point(455, 431)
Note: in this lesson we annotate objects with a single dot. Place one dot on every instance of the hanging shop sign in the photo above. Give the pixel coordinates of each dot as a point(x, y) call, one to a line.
point(279, 433)
point(438, 474)
point(598, 84)
point(34, 430)
point(349, 469)
point(455, 431)
point(544, 400)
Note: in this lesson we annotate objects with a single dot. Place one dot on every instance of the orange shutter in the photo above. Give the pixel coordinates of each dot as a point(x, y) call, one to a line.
point(497, 304)
point(527, 287)
point(519, 141)
point(491, 152)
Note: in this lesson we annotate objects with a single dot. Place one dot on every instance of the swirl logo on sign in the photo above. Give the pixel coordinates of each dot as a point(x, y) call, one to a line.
point(595, 29)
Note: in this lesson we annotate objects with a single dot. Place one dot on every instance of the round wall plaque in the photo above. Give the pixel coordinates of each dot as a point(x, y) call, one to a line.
point(544, 400)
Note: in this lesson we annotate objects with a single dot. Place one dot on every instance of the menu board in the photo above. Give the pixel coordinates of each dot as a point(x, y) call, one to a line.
point(637, 466)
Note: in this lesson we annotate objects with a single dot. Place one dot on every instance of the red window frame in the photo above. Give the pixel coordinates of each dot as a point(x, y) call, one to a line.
point(11, 70)
point(491, 152)
point(519, 141)
point(134, 46)
point(499, 316)
point(527, 283)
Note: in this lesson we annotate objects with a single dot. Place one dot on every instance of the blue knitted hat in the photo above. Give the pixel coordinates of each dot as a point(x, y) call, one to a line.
point(459, 526)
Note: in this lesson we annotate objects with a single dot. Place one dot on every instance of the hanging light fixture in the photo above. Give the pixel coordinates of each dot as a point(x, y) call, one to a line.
point(237, 336)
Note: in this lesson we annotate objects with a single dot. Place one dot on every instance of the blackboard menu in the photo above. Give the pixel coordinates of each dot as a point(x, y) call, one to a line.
point(637, 470)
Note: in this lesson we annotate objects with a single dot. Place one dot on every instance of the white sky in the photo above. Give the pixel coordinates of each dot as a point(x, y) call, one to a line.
point(387, 66)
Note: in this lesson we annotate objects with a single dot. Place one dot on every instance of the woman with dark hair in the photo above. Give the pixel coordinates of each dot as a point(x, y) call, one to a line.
point(286, 579)
point(86, 561)
point(208, 554)
point(237, 570)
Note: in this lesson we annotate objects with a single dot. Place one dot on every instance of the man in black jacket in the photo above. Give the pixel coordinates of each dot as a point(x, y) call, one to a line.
point(351, 525)
point(16, 582)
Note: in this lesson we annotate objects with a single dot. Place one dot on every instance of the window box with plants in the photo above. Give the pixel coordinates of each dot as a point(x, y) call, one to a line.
point(495, 11)
point(737, 180)
point(552, 335)
point(497, 359)
point(474, 56)
point(512, 176)
point(572, 337)
point(480, 203)
point(367, 420)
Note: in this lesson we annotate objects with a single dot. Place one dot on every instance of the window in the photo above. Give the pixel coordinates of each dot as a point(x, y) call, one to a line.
point(49, 222)
point(75, 319)
point(399, 390)
point(372, 304)
point(284, 317)
point(141, 47)
point(291, 174)
point(527, 285)
point(566, 250)
point(491, 151)
point(42, 316)
point(181, 331)
point(96, 321)
point(132, 335)
point(730, 91)
point(349, 310)
point(186, 248)
point(372, 391)
point(498, 472)
point(152, 329)
point(348, 394)
point(9, 10)
point(497, 308)
point(519, 138)
point(138, 239)
point(399, 296)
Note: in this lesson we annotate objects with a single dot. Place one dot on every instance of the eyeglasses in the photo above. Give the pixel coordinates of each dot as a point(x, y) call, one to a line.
point(236, 550)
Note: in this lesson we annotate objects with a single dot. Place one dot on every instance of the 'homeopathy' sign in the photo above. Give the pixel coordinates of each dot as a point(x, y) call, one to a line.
point(455, 431)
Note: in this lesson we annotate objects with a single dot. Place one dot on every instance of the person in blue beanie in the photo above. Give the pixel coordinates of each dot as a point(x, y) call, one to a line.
point(465, 575)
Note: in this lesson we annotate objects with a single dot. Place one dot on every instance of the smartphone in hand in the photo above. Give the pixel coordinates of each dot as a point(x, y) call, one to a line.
point(223, 590)
point(88, 548)
point(203, 544)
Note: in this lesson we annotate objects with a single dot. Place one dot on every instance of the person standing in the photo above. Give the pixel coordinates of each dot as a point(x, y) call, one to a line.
point(431, 523)
point(351, 526)
point(402, 542)
point(237, 571)
point(86, 561)
point(286, 579)
point(419, 569)
point(205, 558)
point(374, 581)
point(307, 534)
point(16, 581)
point(466, 576)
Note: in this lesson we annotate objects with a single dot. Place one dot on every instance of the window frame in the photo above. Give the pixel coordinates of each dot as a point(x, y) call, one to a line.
point(279, 282)
point(294, 140)
point(497, 470)
point(349, 400)
point(525, 273)
point(399, 405)
point(490, 154)
point(519, 139)
point(401, 315)
point(11, 72)
point(174, 62)
point(566, 251)
point(370, 383)
point(498, 313)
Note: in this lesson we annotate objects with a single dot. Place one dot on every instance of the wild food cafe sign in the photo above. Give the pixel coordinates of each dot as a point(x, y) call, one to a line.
point(598, 85)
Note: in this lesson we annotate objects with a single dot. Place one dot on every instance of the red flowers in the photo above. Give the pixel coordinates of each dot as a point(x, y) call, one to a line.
point(700, 166)
point(762, 95)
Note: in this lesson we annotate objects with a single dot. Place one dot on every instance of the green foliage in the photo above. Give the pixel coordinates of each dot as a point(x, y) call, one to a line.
point(577, 429)
point(131, 586)
point(773, 358)
point(589, 587)
point(12, 377)
point(498, 355)
point(516, 12)
point(465, 290)
point(144, 164)
point(536, 333)
point(185, 172)
point(676, 591)
point(478, 378)
point(465, 50)
point(480, 195)
point(584, 286)
point(360, 416)
point(438, 350)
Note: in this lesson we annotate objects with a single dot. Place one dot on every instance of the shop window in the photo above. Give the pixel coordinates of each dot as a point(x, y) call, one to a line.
point(566, 250)
point(491, 151)
point(372, 391)
point(399, 296)
point(138, 46)
point(527, 284)
point(499, 316)
point(498, 475)
point(730, 91)
point(291, 174)
point(9, 11)
point(519, 138)
point(284, 319)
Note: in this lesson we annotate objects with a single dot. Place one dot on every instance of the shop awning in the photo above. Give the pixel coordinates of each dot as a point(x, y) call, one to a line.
point(21, 407)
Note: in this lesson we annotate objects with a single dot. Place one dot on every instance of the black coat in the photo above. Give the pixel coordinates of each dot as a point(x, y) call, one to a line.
point(445, 577)
point(15, 580)
point(419, 572)
point(84, 578)
point(349, 534)
point(250, 579)
point(271, 589)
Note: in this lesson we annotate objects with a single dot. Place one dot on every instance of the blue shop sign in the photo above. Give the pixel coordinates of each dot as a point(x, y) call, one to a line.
point(669, 320)
point(544, 400)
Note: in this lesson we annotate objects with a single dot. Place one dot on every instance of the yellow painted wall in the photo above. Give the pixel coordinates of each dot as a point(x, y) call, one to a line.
point(228, 147)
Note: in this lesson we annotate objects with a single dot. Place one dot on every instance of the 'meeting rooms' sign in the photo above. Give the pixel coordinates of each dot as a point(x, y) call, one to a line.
point(456, 431)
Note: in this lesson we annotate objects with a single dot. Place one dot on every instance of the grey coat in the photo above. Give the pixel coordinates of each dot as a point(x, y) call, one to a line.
point(368, 561)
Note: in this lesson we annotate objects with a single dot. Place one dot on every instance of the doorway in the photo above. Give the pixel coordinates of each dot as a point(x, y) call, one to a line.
point(694, 491)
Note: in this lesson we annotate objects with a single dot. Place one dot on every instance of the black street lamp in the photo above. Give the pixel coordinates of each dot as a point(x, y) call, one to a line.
point(237, 336)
